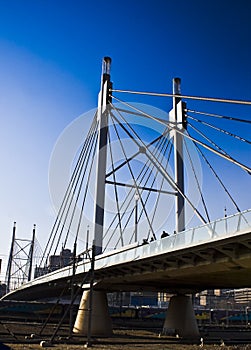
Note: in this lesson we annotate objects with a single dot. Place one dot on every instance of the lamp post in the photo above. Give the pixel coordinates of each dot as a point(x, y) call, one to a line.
point(136, 216)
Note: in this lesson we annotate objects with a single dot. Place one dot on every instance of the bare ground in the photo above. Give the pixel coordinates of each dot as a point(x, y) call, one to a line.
point(17, 336)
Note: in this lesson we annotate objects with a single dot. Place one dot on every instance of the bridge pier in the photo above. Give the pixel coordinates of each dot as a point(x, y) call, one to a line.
point(101, 324)
point(181, 318)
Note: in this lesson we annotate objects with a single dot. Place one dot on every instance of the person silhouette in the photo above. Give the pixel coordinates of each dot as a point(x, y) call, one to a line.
point(164, 234)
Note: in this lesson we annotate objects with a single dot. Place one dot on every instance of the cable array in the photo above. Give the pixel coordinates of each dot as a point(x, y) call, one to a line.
point(68, 211)
point(139, 176)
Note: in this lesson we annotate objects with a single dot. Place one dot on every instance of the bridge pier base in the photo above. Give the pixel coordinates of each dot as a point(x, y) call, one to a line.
point(101, 324)
point(180, 318)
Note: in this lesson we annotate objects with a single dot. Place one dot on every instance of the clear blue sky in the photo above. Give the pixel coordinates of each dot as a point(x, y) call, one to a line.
point(50, 63)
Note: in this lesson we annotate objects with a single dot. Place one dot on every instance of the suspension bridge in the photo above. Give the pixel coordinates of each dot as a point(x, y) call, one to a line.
point(135, 212)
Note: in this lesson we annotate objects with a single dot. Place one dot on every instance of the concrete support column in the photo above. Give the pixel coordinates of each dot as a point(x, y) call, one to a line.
point(181, 318)
point(101, 324)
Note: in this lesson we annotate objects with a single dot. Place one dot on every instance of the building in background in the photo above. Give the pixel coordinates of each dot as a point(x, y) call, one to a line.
point(56, 262)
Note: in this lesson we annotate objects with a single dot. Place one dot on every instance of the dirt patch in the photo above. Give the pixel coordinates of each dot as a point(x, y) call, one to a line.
point(17, 336)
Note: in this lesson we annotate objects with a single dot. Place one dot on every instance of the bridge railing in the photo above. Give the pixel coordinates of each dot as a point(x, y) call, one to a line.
point(226, 227)
point(231, 225)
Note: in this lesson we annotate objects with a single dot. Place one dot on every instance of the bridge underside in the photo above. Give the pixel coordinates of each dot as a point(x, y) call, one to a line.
point(225, 273)
point(223, 265)
point(220, 264)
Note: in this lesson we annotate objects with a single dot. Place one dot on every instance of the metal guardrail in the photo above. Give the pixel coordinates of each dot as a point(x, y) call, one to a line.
point(237, 224)
point(225, 227)
point(222, 228)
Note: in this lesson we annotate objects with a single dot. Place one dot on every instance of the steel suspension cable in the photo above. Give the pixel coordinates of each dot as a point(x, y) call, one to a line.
point(141, 174)
point(66, 196)
point(164, 133)
point(210, 99)
point(227, 157)
point(164, 173)
point(124, 120)
point(87, 186)
point(137, 153)
point(162, 147)
point(217, 176)
point(203, 135)
point(78, 185)
point(158, 139)
point(209, 140)
point(189, 136)
point(243, 166)
point(65, 199)
point(91, 151)
point(140, 177)
point(197, 180)
point(121, 207)
point(219, 129)
point(115, 191)
point(163, 122)
point(83, 159)
point(219, 116)
point(213, 115)
point(162, 183)
point(134, 181)
point(124, 204)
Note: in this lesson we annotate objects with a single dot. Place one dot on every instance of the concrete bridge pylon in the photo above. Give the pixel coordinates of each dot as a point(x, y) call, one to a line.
point(180, 318)
point(101, 324)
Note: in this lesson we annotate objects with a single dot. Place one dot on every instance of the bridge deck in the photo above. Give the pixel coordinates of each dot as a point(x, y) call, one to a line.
point(216, 255)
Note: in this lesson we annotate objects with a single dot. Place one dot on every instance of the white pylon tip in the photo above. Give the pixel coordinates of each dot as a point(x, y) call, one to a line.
point(106, 65)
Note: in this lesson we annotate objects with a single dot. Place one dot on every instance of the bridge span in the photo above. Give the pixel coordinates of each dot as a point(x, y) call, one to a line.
point(215, 255)
point(137, 150)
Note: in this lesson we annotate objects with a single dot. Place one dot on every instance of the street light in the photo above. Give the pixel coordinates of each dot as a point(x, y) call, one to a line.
point(136, 216)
